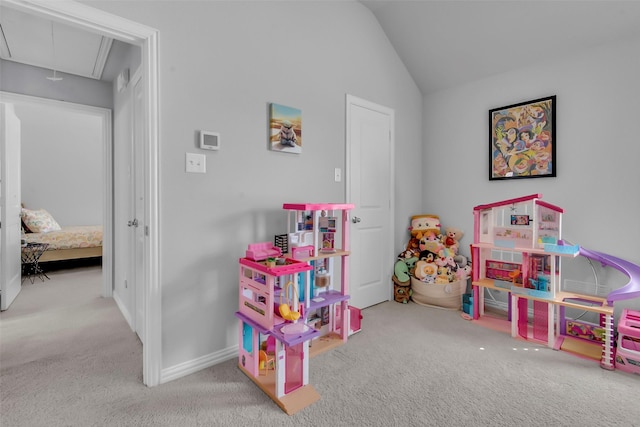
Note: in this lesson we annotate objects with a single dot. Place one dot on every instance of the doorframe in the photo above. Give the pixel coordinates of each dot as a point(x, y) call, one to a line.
point(354, 100)
point(97, 21)
point(107, 176)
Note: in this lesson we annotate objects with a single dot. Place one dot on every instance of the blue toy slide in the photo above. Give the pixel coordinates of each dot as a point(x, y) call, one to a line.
point(631, 289)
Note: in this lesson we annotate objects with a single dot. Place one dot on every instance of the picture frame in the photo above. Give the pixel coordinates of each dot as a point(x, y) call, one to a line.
point(285, 129)
point(520, 219)
point(522, 140)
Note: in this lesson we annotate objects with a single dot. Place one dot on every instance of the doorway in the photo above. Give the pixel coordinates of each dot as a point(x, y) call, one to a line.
point(96, 21)
point(370, 187)
point(51, 117)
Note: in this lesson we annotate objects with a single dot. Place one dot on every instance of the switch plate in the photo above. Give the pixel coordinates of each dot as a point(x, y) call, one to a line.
point(338, 175)
point(196, 163)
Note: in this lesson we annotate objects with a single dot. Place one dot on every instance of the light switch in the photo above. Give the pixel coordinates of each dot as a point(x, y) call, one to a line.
point(196, 163)
point(338, 175)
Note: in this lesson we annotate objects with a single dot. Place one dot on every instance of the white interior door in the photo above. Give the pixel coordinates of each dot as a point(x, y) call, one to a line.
point(10, 258)
point(137, 258)
point(370, 188)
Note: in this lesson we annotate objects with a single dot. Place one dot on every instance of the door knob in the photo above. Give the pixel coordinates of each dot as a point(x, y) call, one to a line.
point(355, 220)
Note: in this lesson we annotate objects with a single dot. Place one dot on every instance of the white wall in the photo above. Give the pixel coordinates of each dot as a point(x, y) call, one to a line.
point(597, 183)
point(221, 64)
point(62, 166)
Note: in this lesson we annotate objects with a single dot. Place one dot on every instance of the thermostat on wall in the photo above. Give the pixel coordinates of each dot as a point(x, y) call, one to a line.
point(209, 140)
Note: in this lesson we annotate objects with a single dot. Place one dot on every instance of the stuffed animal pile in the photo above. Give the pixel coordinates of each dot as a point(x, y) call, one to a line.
point(430, 256)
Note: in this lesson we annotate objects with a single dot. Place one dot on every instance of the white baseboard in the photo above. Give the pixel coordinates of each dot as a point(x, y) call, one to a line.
point(195, 365)
point(123, 310)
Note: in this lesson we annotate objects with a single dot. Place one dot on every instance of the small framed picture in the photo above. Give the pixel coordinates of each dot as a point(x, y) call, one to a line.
point(285, 129)
point(519, 219)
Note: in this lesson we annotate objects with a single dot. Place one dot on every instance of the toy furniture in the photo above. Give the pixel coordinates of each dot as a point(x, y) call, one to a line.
point(518, 249)
point(292, 308)
point(628, 350)
point(262, 251)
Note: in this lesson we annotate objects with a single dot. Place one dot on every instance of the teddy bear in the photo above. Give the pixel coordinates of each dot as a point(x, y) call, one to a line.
point(451, 238)
point(413, 245)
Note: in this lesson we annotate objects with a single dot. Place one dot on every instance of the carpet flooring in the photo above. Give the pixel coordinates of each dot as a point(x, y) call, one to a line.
point(68, 358)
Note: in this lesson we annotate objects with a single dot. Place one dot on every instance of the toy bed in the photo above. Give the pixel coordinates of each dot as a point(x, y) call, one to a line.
point(65, 243)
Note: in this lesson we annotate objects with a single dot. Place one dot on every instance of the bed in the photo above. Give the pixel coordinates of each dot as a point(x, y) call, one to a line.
point(65, 243)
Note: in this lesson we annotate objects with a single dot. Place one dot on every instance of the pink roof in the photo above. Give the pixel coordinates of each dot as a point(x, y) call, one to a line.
point(318, 206)
point(519, 200)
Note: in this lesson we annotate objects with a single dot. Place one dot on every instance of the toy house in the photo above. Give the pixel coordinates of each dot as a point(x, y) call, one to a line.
point(518, 249)
point(319, 235)
point(293, 306)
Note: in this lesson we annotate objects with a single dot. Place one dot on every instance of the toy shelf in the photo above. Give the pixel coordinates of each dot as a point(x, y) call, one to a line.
point(537, 251)
point(291, 266)
point(322, 255)
point(327, 298)
point(325, 343)
point(293, 339)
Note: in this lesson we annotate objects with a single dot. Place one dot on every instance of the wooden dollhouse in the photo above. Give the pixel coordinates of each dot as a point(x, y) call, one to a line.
point(518, 249)
point(293, 306)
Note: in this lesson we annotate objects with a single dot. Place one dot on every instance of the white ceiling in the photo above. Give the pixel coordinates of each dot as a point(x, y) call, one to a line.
point(33, 40)
point(443, 43)
point(447, 43)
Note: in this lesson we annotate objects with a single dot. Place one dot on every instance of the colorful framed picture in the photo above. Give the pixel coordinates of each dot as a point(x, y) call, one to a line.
point(285, 129)
point(522, 140)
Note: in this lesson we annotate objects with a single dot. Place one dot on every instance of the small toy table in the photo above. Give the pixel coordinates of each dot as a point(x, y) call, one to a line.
point(30, 261)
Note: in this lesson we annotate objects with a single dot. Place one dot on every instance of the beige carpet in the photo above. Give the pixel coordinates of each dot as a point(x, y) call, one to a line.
point(68, 358)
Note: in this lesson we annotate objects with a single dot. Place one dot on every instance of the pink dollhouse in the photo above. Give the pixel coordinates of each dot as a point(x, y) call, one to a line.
point(518, 249)
point(293, 306)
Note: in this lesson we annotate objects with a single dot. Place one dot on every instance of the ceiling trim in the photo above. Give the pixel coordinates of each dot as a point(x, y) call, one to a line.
point(5, 52)
point(101, 58)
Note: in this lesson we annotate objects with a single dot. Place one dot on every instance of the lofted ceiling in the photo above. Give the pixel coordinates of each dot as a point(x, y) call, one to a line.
point(443, 43)
point(33, 40)
point(447, 43)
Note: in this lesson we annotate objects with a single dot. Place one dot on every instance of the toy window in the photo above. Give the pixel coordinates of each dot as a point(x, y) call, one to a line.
point(630, 343)
point(486, 220)
point(254, 300)
point(260, 278)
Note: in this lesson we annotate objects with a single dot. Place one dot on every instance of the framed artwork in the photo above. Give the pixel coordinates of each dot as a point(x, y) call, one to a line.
point(522, 140)
point(285, 129)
